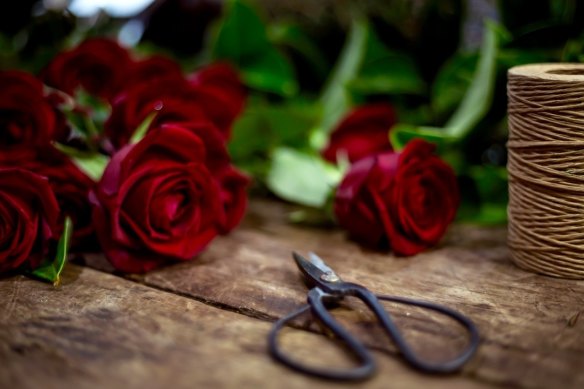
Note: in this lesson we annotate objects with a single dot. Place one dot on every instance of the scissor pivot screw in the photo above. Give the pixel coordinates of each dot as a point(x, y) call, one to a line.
point(329, 276)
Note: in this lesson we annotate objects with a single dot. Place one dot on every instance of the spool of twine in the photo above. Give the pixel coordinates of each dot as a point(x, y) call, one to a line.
point(546, 168)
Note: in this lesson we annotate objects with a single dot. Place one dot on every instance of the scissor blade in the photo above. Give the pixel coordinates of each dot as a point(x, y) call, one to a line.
point(318, 262)
point(314, 268)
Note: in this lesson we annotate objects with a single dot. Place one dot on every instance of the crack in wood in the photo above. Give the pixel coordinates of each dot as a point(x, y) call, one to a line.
point(249, 312)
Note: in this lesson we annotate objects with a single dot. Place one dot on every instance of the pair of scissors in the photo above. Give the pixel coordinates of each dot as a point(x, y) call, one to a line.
point(328, 288)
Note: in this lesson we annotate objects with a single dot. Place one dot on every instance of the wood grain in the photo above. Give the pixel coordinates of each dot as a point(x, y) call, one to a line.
point(529, 323)
point(101, 331)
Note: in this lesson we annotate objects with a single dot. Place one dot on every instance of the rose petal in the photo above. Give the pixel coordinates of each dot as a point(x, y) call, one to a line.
point(99, 65)
point(19, 234)
point(30, 207)
point(217, 158)
point(233, 186)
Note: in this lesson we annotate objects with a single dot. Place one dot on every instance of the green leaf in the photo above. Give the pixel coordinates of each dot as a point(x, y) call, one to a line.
point(143, 128)
point(302, 178)
point(7, 45)
point(401, 134)
point(51, 270)
point(292, 123)
point(485, 195)
point(292, 36)
point(386, 71)
point(573, 50)
point(452, 82)
point(91, 163)
point(491, 183)
point(82, 124)
point(335, 98)
point(508, 58)
point(100, 110)
point(251, 141)
point(311, 217)
point(474, 105)
point(263, 127)
point(241, 33)
point(86, 123)
point(478, 97)
point(484, 214)
point(270, 72)
point(365, 66)
point(242, 39)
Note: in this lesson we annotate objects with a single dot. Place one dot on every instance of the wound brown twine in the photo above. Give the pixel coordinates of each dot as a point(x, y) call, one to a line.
point(546, 168)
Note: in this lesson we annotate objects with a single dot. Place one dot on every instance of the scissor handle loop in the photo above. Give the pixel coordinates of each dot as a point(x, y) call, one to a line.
point(366, 365)
point(372, 301)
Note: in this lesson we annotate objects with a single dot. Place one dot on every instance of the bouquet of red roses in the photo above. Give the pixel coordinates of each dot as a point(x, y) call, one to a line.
point(131, 152)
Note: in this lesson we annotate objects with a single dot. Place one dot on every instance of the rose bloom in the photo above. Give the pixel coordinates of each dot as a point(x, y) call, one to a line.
point(148, 69)
point(27, 118)
point(172, 99)
point(98, 65)
point(212, 94)
point(70, 186)
point(28, 218)
point(364, 131)
point(404, 201)
point(159, 200)
point(232, 184)
point(225, 90)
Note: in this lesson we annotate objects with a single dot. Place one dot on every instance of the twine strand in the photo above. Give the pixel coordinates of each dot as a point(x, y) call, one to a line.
point(546, 168)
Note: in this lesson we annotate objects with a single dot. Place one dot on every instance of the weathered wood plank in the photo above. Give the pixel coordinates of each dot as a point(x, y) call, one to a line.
point(532, 337)
point(101, 331)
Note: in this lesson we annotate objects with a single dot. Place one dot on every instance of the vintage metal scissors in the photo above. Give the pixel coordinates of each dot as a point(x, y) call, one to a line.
point(329, 288)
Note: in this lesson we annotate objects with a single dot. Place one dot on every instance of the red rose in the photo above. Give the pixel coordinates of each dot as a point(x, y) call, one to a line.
point(98, 65)
point(233, 186)
point(214, 94)
point(225, 93)
point(70, 186)
point(405, 200)
point(158, 200)
point(26, 116)
point(28, 217)
point(173, 100)
point(361, 133)
point(152, 68)
point(232, 183)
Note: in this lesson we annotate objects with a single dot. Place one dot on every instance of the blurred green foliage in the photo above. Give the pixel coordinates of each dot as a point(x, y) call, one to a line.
point(242, 39)
point(305, 74)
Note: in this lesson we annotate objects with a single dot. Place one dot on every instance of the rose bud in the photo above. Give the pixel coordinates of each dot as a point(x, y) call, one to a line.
point(28, 218)
point(27, 118)
point(98, 65)
point(364, 131)
point(157, 201)
point(404, 201)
